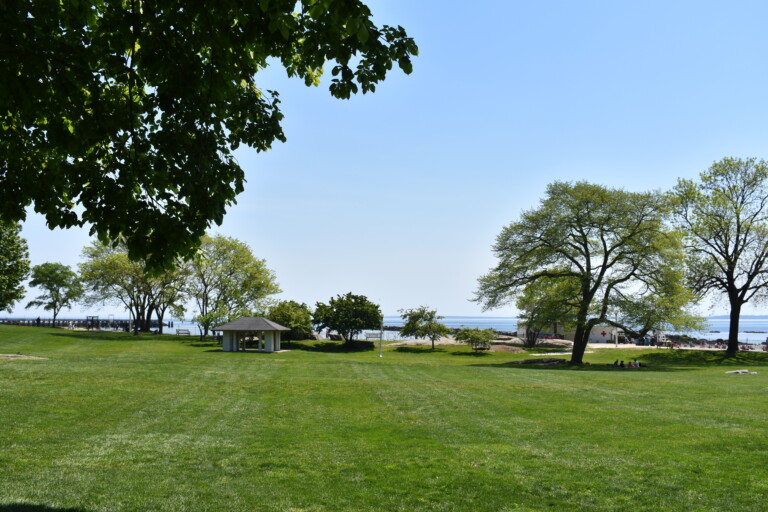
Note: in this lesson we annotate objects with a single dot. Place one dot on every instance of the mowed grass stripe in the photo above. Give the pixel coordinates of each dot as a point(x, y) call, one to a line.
point(164, 423)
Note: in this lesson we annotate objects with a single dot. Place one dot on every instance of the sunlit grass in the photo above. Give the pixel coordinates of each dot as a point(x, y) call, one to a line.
point(112, 422)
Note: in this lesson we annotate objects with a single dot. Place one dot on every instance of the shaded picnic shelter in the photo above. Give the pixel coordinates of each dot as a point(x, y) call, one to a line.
point(235, 331)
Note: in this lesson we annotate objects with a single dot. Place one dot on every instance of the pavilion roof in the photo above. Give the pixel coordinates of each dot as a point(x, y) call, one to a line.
point(251, 323)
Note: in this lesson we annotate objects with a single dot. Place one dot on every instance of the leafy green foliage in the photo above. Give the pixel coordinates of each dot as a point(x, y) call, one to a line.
point(110, 276)
point(547, 303)
point(611, 243)
point(60, 285)
point(668, 309)
point(291, 314)
point(125, 115)
point(478, 339)
point(228, 281)
point(423, 322)
point(14, 265)
point(348, 315)
point(724, 218)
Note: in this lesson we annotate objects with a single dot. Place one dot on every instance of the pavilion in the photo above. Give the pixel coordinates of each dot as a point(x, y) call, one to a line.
point(267, 331)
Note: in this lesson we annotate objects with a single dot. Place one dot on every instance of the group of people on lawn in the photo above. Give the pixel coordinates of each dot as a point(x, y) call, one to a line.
point(630, 364)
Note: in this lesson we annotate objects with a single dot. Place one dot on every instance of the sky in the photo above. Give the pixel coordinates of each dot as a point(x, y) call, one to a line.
point(399, 195)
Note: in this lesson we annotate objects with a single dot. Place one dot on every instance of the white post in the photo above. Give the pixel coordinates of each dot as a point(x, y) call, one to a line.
point(381, 335)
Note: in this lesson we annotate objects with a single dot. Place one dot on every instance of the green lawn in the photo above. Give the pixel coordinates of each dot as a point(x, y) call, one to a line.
point(113, 422)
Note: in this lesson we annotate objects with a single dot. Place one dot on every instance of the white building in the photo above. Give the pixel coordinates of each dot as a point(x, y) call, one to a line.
point(234, 332)
point(599, 333)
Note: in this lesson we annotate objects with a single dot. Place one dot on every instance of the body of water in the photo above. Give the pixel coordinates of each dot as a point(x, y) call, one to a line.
point(497, 323)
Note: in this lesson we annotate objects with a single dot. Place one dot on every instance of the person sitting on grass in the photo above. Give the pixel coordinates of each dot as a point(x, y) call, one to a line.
point(621, 365)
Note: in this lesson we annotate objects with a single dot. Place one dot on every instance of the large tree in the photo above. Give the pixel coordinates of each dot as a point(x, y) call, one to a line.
point(110, 276)
point(60, 285)
point(612, 242)
point(14, 264)
point(423, 322)
point(348, 315)
point(124, 114)
point(228, 281)
point(298, 317)
point(169, 291)
point(724, 217)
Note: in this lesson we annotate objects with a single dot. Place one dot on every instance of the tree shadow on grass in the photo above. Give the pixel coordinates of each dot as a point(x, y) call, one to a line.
point(418, 349)
point(104, 336)
point(545, 350)
point(333, 346)
point(662, 361)
point(474, 353)
point(26, 507)
point(195, 341)
point(583, 367)
point(706, 358)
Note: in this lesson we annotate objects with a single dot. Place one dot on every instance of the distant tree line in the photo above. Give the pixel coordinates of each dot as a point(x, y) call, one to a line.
point(224, 280)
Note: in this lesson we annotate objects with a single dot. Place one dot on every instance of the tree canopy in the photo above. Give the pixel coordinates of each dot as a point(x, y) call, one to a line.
point(348, 315)
point(291, 314)
point(228, 281)
point(14, 265)
point(724, 217)
point(478, 339)
point(613, 243)
point(423, 322)
point(547, 303)
point(60, 285)
point(124, 115)
point(667, 308)
point(108, 275)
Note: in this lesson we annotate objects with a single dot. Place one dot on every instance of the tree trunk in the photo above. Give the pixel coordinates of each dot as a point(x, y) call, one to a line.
point(531, 336)
point(160, 314)
point(135, 323)
point(580, 337)
point(577, 354)
point(579, 346)
point(733, 330)
point(147, 323)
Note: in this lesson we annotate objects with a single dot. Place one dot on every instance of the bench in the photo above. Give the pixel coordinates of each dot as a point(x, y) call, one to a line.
point(183, 331)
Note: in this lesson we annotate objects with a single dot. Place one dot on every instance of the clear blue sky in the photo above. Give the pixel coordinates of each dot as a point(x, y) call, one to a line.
point(398, 195)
